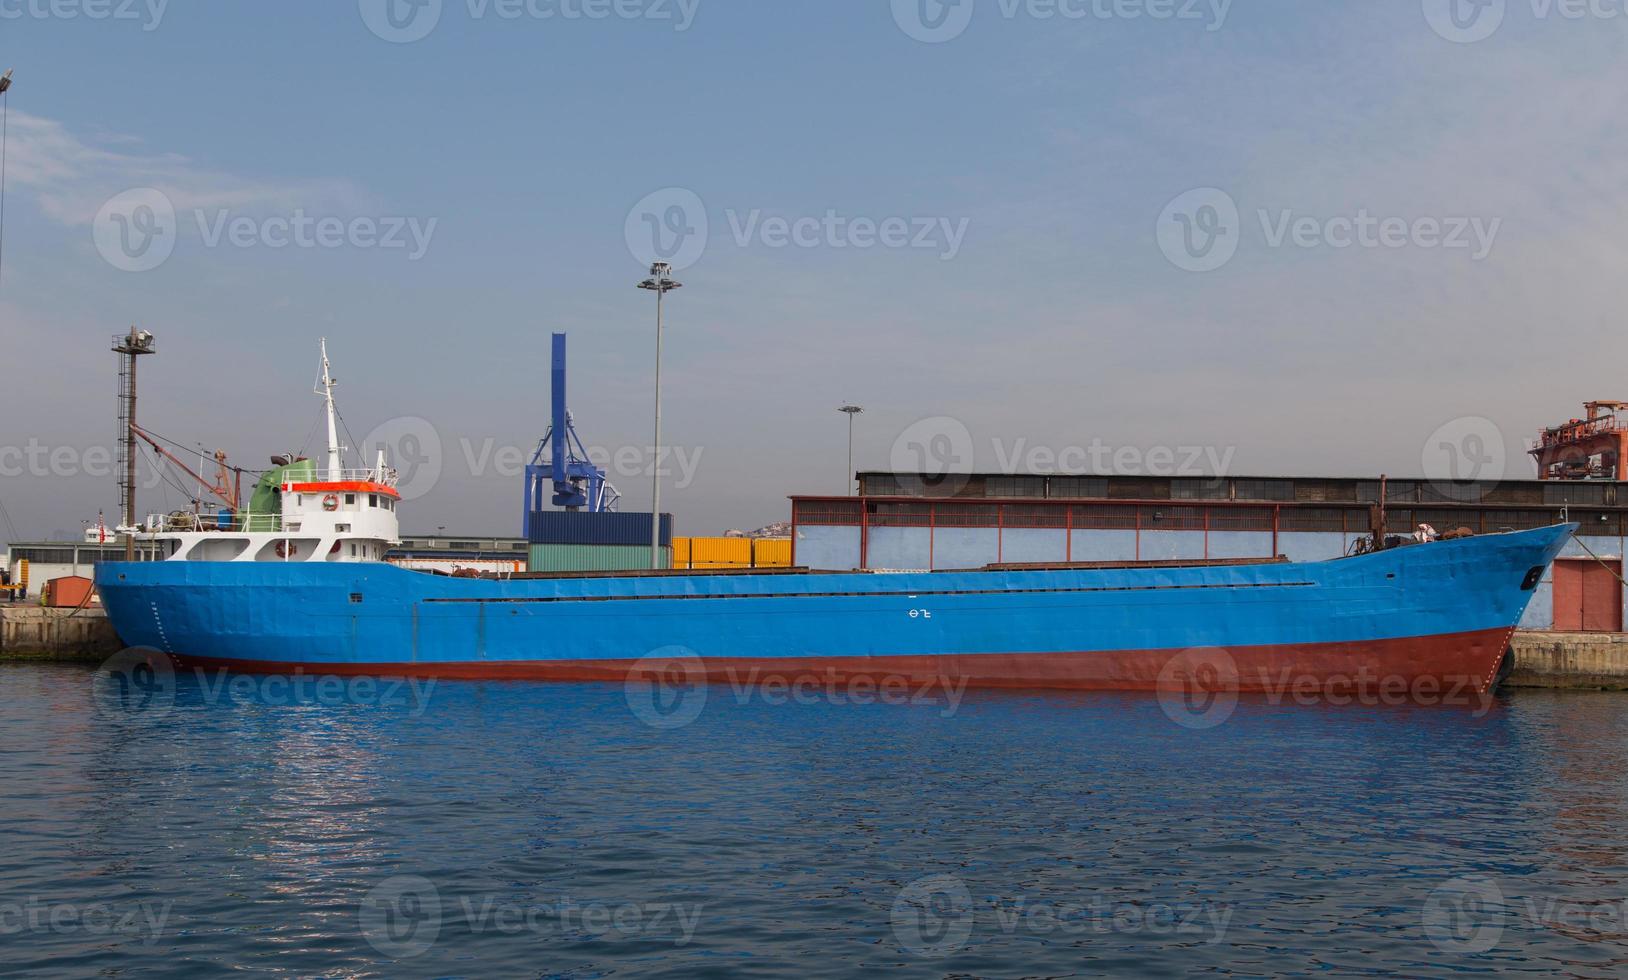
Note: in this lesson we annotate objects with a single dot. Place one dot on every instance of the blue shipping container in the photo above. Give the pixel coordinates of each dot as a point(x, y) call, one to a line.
point(582, 527)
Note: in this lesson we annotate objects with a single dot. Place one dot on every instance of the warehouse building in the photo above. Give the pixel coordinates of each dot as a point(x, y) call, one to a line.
point(910, 521)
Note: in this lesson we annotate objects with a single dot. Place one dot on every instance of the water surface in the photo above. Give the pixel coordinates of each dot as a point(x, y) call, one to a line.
point(508, 829)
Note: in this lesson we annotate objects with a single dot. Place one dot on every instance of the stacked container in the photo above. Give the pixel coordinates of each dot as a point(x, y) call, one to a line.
point(580, 541)
point(730, 553)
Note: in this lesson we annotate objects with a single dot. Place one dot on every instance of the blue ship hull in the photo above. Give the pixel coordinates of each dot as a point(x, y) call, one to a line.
point(1442, 611)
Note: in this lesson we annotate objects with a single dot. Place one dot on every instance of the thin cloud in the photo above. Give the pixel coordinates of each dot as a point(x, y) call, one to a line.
point(72, 177)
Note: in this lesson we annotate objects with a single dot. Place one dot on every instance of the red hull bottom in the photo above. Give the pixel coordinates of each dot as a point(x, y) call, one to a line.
point(1420, 668)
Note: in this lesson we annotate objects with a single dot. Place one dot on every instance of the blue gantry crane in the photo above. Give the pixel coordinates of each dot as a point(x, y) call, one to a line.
point(560, 465)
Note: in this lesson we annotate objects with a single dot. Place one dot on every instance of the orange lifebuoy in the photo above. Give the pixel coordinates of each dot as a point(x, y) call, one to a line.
point(330, 503)
point(286, 550)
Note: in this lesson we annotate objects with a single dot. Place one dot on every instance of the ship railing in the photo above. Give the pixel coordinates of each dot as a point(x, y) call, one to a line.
point(386, 477)
point(218, 522)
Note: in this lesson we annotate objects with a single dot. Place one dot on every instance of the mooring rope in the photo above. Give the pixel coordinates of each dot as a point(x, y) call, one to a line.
point(1603, 563)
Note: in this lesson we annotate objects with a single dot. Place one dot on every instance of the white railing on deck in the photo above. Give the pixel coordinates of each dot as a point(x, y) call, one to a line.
point(387, 477)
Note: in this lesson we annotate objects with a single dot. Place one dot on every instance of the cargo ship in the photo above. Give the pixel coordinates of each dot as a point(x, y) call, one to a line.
point(304, 589)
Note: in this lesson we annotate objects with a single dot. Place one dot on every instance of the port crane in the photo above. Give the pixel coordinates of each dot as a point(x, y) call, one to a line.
point(561, 463)
point(1595, 447)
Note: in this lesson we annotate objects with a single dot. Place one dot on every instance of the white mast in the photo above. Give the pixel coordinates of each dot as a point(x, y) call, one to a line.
point(335, 470)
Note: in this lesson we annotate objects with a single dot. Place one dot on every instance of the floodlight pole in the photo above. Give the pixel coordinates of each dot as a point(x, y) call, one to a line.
point(661, 283)
point(851, 411)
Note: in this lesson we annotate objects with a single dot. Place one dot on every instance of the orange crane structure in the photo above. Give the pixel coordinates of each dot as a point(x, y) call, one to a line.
point(1592, 448)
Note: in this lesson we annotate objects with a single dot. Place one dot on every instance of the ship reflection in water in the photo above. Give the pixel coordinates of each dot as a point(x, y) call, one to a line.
point(491, 829)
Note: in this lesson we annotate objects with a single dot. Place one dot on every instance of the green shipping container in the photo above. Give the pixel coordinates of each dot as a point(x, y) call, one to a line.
point(593, 558)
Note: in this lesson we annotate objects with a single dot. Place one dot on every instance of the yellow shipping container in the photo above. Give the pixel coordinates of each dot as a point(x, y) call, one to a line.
point(707, 553)
point(772, 552)
point(720, 553)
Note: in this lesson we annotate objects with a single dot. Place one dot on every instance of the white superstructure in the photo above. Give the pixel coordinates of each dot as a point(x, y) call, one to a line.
point(340, 515)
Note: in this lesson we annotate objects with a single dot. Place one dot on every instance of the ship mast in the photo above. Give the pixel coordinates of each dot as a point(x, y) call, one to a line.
point(335, 472)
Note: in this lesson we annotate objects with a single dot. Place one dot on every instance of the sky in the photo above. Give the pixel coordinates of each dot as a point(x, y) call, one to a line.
point(1145, 236)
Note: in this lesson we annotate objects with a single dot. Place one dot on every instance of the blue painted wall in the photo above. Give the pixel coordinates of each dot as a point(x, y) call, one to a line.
point(1104, 545)
point(1240, 544)
point(900, 547)
point(965, 547)
point(1170, 545)
point(828, 548)
point(1025, 544)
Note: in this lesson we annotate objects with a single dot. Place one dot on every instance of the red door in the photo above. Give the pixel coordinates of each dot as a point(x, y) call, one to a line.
point(1588, 595)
